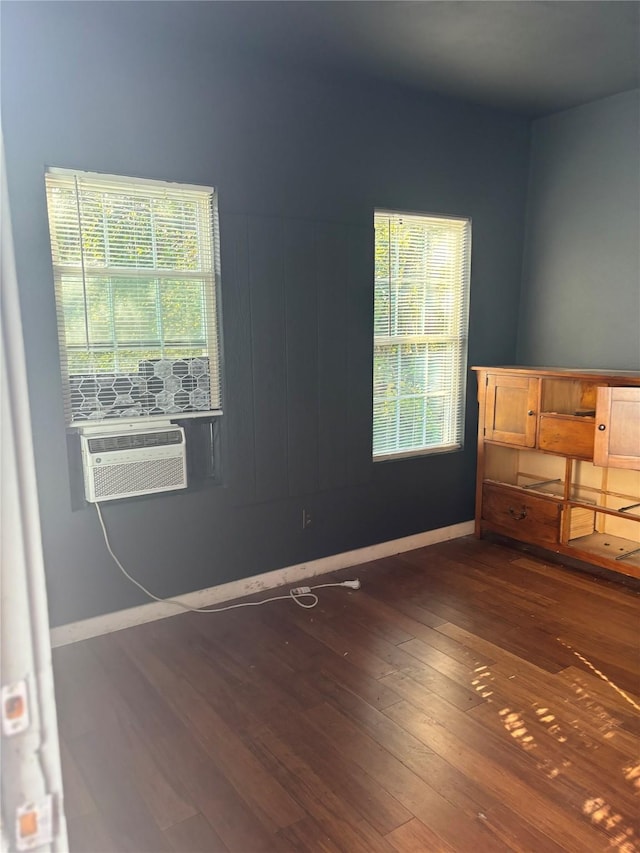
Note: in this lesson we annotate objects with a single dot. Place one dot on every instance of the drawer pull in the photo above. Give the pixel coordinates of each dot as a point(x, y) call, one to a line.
point(518, 515)
point(602, 427)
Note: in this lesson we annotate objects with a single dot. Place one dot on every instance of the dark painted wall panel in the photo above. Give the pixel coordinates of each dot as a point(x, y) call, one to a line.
point(581, 284)
point(299, 162)
point(359, 354)
point(301, 322)
point(239, 467)
point(332, 254)
point(268, 336)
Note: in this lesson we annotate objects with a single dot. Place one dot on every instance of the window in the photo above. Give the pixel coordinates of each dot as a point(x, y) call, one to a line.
point(422, 268)
point(135, 267)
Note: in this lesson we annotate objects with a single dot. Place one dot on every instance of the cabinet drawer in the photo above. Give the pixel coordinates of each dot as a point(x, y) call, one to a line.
point(521, 515)
point(567, 435)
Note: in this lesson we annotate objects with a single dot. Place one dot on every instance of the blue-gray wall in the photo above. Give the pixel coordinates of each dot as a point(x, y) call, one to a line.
point(581, 283)
point(300, 162)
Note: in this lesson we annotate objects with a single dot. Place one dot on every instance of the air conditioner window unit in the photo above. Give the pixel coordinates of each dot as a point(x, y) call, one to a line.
point(142, 460)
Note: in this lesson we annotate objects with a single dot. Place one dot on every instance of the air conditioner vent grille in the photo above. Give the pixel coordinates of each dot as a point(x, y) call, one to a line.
point(136, 477)
point(104, 444)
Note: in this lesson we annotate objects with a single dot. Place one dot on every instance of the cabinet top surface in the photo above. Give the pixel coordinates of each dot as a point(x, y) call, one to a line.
point(628, 375)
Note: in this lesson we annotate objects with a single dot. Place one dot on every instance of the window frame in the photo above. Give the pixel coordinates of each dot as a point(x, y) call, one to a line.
point(211, 319)
point(458, 402)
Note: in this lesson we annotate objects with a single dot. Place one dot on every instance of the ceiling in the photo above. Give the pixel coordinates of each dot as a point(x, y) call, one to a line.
point(529, 56)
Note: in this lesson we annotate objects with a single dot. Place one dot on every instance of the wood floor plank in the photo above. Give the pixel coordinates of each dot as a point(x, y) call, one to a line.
point(550, 757)
point(77, 799)
point(251, 660)
point(239, 711)
point(179, 752)
point(481, 738)
point(592, 691)
point(527, 592)
point(435, 802)
point(318, 658)
point(519, 833)
point(361, 637)
point(165, 799)
point(339, 643)
point(126, 756)
point(359, 792)
point(412, 629)
point(340, 674)
point(337, 819)
point(89, 834)
point(81, 694)
point(434, 661)
point(274, 807)
point(403, 598)
point(619, 594)
point(597, 659)
point(507, 581)
point(434, 681)
point(551, 705)
point(415, 837)
point(122, 808)
point(481, 646)
point(195, 835)
point(383, 621)
point(504, 781)
point(467, 697)
point(307, 836)
point(496, 621)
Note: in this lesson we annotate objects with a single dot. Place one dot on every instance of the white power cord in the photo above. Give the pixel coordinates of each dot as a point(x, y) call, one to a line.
point(296, 594)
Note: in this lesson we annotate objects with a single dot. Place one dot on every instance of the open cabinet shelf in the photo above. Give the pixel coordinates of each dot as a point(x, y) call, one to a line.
point(608, 547)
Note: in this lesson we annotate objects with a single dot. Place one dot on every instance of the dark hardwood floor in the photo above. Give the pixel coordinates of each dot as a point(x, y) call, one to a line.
point(469, 697)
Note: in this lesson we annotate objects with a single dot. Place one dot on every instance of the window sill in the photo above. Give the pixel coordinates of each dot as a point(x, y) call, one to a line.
point(413, 454)
point(137, 422)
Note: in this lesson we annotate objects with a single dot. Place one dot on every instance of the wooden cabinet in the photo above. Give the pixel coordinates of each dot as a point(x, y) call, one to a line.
point(559, 461)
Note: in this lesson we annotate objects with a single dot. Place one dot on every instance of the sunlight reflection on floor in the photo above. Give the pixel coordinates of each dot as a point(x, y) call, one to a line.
point(601, 675)
point(620, 834)
point(632, 774)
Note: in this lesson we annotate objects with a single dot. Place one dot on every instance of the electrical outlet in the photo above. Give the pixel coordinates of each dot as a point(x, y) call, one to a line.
point(306, 519)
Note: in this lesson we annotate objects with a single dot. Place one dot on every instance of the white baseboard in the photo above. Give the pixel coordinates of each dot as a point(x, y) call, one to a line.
point(289, 576)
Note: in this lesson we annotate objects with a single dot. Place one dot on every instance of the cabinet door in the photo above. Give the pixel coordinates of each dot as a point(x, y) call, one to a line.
point(510, 409)
point(617, 440)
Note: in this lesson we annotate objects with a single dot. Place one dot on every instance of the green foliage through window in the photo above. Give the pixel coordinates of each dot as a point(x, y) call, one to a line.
point(134, 265)
point(421, 292)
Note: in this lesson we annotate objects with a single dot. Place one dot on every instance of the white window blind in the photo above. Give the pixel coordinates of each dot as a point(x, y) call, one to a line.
point(135, 267)
point(422, 270)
